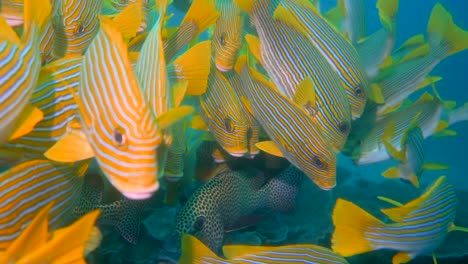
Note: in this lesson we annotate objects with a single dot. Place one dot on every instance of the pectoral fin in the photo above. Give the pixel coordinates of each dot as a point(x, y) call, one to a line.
point(30, 116)
point(270, 147)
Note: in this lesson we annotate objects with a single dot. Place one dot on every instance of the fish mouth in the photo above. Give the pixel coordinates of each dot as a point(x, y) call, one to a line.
point(222, 67)
point(135, 192)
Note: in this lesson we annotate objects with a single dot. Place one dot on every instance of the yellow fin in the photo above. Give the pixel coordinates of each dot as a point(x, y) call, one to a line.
point(450, 105)
point(129, 20)
point(453, 227)
point(178, 90)
point(203, 13)
point(30, 116)
point(391, 173)
point(445, 133)
point(72, 147)
point(173, 116)
point(245, 5)
point(240, 63)
point(429, 80)
point(7, 33)
point(283, 15)
point(34, 235)
point(414, 180)
point(334, 16)
point(387, 12)
point(254, 46)
point(194, 67)
point(194, 251)
point(36, 11)
point(413, 41)
point(247, 105)
point(391, 109)
point(390, 201)
point(434, 166)
point(136, 42)
point(198, 123)
point(426, 97)
point(270, 147)
point(305, 95)
point(348, 237)
point(388, 135)
point(420, 51)
point(401, 257)
point(441, 24)
point(93, 241)
point(376, 94)
point(66, 244)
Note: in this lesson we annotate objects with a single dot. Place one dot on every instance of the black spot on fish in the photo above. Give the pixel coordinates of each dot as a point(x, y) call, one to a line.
point(344, 127)
point(222, 39)
point(228, 124)
point(119, 137)
point(359, 92)
point(318, 162)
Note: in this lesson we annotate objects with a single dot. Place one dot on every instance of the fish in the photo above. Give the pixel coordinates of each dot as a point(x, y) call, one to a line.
point(194, 251)
point(375, 48)
point(412, 155)
point(444, 38)
point(299, 71)
point(205, 215)
point(29, 186)
point(37, 244)
point(12, 11)
point(355, 19)
point(418, 227)
point(53, 98)
point(427, 111)
point(201, 14)
point(227, 35)
point(406, 48)
point(113, 7)
point(20, 64)
point(339, 52)
point(75, 24)
point(222, 111)
point(123, 137)
point(294, 134)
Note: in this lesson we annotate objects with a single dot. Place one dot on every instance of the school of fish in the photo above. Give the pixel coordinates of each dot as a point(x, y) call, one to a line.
point(103, 96)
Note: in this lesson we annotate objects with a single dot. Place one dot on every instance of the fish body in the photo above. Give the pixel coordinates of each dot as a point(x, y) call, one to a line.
point(205, 215)
point(29, 186)
point(297, 68)
point(418, 227)
point(20, 64)
point(295, 133)
point(337, 50)
point(194, 251)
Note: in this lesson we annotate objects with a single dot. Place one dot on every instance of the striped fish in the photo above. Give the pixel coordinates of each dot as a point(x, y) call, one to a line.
point(445, 38)
point(222, 112)
point(194, 251)
point(20, 64)
point(75, 24)
point(53, 97)
point(201, 14)
point(374, 49)
point(227, 36)
point(300, 71)
point(339, 52)
point(117, 119)
point(426, 112)
point(418, 227)
point(29, 186)
point(296, 134)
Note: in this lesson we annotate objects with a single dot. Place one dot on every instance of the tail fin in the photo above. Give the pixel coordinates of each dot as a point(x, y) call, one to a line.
point(36, 12)
point(194, 67)
point(459, 114)
point(350, 223)
point(203, 13)
point(281, 191)
point(442, 26)
point(194, 251)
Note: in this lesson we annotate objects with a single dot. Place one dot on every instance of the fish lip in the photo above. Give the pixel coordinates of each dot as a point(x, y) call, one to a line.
point(137, 195)
point(237, 154)
point(137, 192)
point(222, 67)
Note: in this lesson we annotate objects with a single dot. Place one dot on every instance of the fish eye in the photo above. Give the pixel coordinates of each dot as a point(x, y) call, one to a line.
point(199, 223)
point(228, 124)
point(359, 91)
point(344, 127)
point(222, 38)
point(80, 29)
point(318, 162)
point(119, 137)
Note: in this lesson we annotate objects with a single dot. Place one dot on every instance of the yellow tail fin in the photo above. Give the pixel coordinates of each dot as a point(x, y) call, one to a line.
point(194, 67)
point(387, 12)
point(203, 13)
point(129, 20)
point(441, 24)
point(193, 251)
point(36, 12)
point(350, 222)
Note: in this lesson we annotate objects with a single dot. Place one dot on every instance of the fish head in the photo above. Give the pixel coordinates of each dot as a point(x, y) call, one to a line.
point(127, 153)
point(227, 41)
point(75, 23)
point(320, 168)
